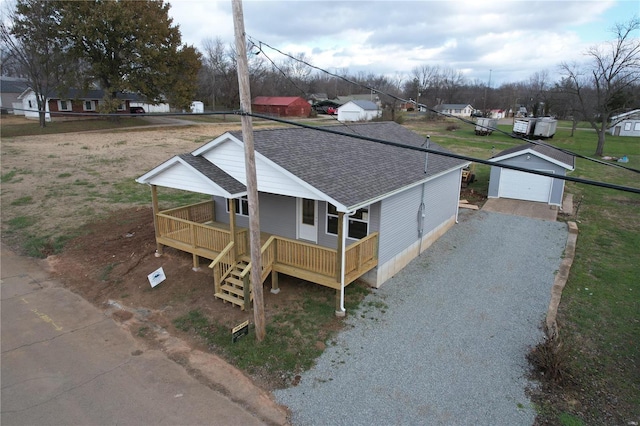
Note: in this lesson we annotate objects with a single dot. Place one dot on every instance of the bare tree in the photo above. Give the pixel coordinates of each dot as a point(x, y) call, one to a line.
point(604, 85)
point(32, 42)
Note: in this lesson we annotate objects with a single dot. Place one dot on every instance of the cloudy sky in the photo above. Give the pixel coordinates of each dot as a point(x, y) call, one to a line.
point(505, 40)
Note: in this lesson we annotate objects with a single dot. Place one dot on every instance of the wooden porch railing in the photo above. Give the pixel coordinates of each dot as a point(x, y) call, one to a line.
point(195, 234)
point(312, 258)
point(199, 212)
point(187, 224)
point(267, 255)
point(222, 266)
point(361, 253)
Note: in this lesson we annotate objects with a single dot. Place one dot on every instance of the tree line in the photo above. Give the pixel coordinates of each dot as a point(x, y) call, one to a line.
point(133, 46)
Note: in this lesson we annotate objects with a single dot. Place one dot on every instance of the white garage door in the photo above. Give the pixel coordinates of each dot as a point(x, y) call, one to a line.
point(524, 186)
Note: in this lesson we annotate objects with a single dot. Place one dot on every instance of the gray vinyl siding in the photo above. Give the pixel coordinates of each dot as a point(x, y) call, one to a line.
point(399, 213)
point(331, 241)
point(441, 200)
point(277, 214)
point(534, 163)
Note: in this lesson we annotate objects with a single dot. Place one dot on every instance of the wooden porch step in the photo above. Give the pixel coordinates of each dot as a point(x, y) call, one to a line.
point(230, 298)
point(236, 282)
point(233, 289)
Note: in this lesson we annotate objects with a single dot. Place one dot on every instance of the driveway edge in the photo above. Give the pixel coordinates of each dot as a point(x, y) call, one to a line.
point(561, 280)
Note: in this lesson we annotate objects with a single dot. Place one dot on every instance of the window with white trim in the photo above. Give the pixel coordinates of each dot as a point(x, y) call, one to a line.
point(90, 105)
point(358, 223)
point(636, 126)
point(242, 206)
point(121, 107)
point(627, 126)
point(64, 105)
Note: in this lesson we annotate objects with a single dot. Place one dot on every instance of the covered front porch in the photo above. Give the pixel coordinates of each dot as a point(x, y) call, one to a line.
point(193, 229)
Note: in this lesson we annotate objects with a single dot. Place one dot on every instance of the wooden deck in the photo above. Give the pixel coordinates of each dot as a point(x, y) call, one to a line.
point(192, 229)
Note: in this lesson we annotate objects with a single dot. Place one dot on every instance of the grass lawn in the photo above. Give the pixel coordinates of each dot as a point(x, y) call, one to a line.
point(599, 316)
point(20, 126)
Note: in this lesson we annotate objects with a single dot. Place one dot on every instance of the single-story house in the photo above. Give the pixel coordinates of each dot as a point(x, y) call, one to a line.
point(10, 89)
point(507, 183)
point(457, 110)
point(626, 124)
point(281, 106)
point(358, 111)
point(497, 113)
point(74, 101)
point(149, 107)
point(333, 207)
point(373, 97)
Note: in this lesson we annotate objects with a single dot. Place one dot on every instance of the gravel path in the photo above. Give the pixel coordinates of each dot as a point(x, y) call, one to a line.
point(444, 341)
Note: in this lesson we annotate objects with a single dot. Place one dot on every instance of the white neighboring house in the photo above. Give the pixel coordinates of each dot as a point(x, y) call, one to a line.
point(10, 89)
point(358, 110)
point(457, 110)
point(626, 124)
point(30, 105)
point(151, 107)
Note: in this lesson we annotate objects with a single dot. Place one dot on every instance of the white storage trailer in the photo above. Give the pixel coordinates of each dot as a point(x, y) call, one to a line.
point(524, 126)
point(485, 126)
point(545, 127)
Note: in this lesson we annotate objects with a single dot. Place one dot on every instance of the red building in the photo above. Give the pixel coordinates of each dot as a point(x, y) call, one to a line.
point(281, 106)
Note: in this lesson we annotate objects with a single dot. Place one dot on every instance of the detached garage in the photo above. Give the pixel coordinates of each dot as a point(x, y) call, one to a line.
point(506, 183)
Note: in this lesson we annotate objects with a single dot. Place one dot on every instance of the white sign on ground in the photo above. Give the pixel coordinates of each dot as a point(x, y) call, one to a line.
point(156, 277)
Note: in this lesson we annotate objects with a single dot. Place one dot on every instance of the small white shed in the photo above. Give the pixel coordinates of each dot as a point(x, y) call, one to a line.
point(197, 107)
point(358, 110)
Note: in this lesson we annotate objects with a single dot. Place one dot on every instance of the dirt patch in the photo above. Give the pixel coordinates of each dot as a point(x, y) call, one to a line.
point(109, 263)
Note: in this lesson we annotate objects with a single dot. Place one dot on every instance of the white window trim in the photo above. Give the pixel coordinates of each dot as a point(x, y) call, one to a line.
point(239, 204)
point(121, 107)
point(636, 126)
point(349, 218)
point(93, 105)
point(68, 102)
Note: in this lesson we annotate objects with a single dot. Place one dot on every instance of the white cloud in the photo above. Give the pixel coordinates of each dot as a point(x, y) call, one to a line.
point(513, 38)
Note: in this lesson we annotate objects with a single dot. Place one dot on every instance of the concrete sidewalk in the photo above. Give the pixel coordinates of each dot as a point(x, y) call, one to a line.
point(65, 362)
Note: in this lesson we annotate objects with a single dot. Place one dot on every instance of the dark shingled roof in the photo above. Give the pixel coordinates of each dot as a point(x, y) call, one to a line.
point(214, 173)
point(545, 150)
point(352, 171)
point(13, 85)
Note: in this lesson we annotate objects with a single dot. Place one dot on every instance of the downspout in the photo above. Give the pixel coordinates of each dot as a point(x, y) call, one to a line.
point(459, 189)
point(421, 209)
point(345, 229)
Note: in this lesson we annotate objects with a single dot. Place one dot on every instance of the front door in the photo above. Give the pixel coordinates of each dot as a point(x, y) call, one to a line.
point(307, 219)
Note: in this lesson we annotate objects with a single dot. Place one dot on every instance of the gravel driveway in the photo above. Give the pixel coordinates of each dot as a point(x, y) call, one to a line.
point(444, 341)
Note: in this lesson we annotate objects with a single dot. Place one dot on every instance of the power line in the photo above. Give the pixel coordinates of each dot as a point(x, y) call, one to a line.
point(451, 155)
point(440, 112)
point(385, 142)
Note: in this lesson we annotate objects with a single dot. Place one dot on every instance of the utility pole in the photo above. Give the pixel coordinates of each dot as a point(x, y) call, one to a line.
point(250, 170)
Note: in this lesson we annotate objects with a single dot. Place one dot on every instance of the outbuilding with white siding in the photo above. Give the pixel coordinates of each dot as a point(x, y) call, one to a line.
point(508, 183)
point(358, 110)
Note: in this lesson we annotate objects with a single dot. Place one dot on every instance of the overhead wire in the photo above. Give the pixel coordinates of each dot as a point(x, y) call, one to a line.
point(304, 92)
point(462, 119)
point(362, 137)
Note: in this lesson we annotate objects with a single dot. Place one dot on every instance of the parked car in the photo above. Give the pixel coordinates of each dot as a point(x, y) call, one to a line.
point(332, 110)
point(136, 110)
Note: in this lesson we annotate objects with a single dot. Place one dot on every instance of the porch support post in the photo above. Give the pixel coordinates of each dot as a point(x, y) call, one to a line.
point(339, 292)
point(232, 227)
point(275, 286)
point(154, 204)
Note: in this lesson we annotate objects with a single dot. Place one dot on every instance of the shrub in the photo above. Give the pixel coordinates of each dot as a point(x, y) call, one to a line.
point(550, 358)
